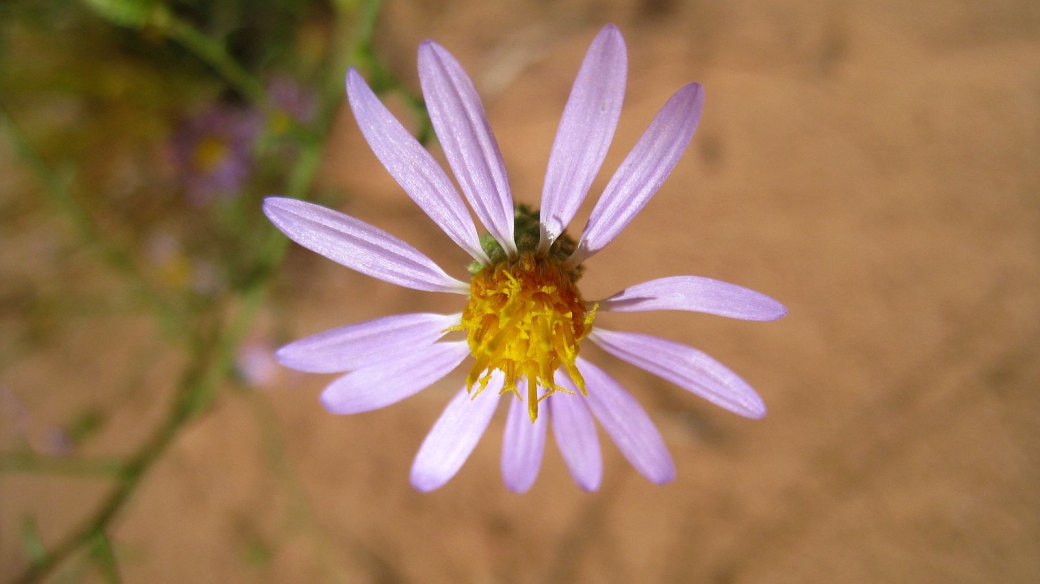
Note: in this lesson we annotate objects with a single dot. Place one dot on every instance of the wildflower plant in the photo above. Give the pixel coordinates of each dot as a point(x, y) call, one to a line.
point(524, 318)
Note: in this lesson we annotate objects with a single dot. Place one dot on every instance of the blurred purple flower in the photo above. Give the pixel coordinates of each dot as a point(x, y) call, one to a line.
point(524, 318)
point(56, 441)
point(256, 365)
point(297, 103)
point(213, 151)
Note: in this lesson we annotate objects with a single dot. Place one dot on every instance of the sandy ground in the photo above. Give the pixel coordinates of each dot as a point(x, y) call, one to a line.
point(873, 165)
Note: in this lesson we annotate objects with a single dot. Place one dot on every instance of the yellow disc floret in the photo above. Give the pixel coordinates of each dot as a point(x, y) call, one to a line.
point(525, 318)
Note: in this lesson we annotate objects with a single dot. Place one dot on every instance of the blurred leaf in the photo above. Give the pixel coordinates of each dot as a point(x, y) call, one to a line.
point(103, 554)
point(32, 546)
point(258, 552)
point(132, 13)
point(85, 425)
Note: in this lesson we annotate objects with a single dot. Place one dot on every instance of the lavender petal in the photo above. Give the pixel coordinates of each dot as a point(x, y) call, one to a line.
point(469, 145)
point(695, 294)
point(412, 167)
point(586, 130)
point(358, 246)
point(575, 434)
point(366, 343)
point(454, 436)
point(686, 367)
point(387, 383)
point(627, 424)
point(522, 447)
point(643, 171)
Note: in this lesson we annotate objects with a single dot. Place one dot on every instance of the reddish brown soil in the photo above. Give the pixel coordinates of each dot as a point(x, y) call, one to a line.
point(874, 166)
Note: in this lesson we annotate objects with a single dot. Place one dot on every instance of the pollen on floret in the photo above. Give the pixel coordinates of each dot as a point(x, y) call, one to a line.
point(525, 318)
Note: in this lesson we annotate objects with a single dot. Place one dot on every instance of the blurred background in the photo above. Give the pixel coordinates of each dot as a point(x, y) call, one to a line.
point(873, 165)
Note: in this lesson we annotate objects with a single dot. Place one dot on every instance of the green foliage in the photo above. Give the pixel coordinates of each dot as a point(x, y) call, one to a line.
point(100, 123)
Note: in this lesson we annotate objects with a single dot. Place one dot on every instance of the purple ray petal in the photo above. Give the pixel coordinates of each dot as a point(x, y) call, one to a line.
point(575, 434)
point(386, 383)
point(412, 167)
point(365, 343)
point(696, 294)
point(643, 171)
point(464, 133)
point(627, 424)
point(522, 447)
point(454, 436)
point(686, 367)
point(358, 246)
point(585, 132)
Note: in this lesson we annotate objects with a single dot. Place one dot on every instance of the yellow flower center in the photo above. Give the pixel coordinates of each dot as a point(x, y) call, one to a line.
point(210, 153)
point(525, 318)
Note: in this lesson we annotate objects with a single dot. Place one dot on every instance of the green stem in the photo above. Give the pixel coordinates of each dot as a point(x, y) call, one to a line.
point(214, 354)
point(212, 53)
point(106, 558)
point(87, 467)
point(59, 195)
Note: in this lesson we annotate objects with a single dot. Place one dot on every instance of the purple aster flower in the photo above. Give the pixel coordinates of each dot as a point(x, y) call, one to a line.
point(524, 318)
point(213, 151)
point(292, 100)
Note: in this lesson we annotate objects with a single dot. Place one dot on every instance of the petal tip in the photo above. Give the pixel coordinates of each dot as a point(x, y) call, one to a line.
point(612, 33)
point(327, 401)
point(589, 486)
point(423, 482)
point(518, 488)
point(663, 479)
point(352, 77)
point(283, 356)
point(274, 206)
point(428, 46)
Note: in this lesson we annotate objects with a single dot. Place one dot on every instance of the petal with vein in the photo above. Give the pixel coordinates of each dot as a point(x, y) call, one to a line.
point(380, 385)
point(686, 367)
point(412, 166)
point(522, 447)
point(695, 294)
point(358, 245)
point(454, 436)
point(643, 171)
point(365, 343)
point(627, 424)
point(462, 128)
point(575, 434)
point(586, 129)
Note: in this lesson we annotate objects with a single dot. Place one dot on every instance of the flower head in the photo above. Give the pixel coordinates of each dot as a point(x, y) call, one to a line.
point(525, 318)
point(213, 151)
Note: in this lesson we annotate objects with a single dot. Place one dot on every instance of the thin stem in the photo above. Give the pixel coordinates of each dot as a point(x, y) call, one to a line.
point(59, 195)
point(299, 511)
point(214, 347)
point(86, 467)
point(212, 53)
point(106, 558)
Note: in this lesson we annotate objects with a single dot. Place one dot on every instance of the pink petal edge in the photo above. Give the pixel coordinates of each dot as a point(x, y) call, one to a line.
point(627, 424)
point(365, 343)
point(387, 383)
point(454, 436)
point(523, 445)
point(575, 434)
point(358, 246)
point(586, 130)
point(468, 142)
point(643, 171)
point(413, 167)
point(684, 366)
point(695, 294)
